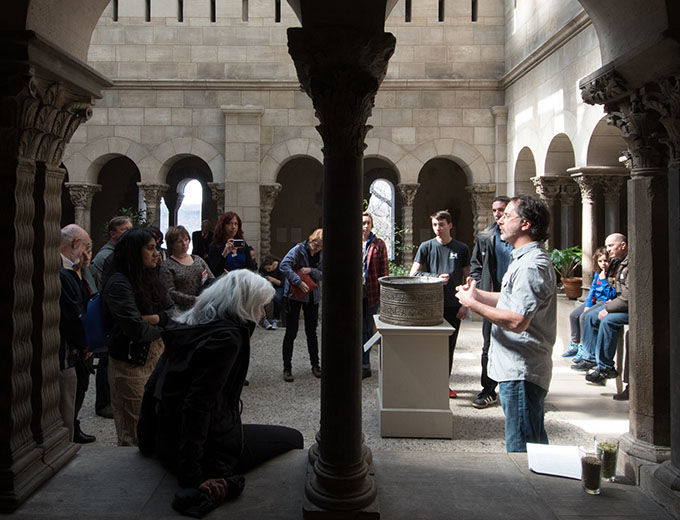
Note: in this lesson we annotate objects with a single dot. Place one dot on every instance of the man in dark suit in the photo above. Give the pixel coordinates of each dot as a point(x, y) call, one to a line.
point(201, 240)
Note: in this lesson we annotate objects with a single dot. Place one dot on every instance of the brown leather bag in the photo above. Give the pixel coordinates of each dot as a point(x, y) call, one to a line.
point(298, 294)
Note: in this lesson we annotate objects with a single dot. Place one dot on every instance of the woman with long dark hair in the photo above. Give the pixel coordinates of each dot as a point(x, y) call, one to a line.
point(229, 251)
point(136, 305)
point(191, 417)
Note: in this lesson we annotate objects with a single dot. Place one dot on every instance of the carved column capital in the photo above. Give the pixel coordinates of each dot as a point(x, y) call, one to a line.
point(152, 192)
point(82, 193)
point(268, 196)
point(589, 185)
point(547, 188)
point(604, 88)
point(341, 69)
point(481, 196)
point(408, 191)
point(663, 97)
point(611, 188)
point(39, 120)
point(569, 193)
point(217, 190)
point(640, 129)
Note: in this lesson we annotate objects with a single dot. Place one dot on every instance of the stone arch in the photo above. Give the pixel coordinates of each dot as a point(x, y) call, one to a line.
point(183, 168)
point(605, 145)
point(525, 169)
point(465, 155)
point(393, 154)
point(559, 156)
point(166, 154)
point(278, 155)
point(85, 164)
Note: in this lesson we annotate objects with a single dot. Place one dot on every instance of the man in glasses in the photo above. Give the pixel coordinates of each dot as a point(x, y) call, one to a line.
point(523, 315)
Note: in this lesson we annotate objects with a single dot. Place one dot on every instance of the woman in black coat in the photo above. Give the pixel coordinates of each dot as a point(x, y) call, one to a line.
point(137, 307)
point(191, 413)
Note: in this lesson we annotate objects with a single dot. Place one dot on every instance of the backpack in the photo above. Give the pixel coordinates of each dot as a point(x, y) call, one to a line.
point(96, 332)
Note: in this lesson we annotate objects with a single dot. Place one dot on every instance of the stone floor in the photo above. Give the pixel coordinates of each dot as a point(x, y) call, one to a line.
point(469, 477)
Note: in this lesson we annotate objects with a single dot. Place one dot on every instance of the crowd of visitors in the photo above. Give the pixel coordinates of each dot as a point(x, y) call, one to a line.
point(178, 328)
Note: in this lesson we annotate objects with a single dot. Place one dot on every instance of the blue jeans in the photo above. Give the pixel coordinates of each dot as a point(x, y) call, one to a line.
point(601, 337)
point(577, 320)
point(522, 404)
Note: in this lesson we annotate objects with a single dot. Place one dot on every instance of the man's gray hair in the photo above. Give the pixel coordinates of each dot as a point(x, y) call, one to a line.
point(71, 232)
point(241, 293)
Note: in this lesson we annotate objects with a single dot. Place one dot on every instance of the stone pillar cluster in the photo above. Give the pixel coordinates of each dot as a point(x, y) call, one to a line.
point(152, 194)
point(41, 111)
point(268, 195)
point(217, 189)
point(649, 121)
point(81, 196)
point(408, 192)
point(481, 196)
point(341, 69)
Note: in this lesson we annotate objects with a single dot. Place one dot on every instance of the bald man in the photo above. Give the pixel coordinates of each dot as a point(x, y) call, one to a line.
point(601, 334)
point(75, 243)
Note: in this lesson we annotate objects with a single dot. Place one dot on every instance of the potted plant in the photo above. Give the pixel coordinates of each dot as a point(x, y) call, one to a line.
point(565, 262)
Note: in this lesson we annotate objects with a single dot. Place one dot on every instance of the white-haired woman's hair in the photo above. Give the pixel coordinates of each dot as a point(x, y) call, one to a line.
point(242, 294)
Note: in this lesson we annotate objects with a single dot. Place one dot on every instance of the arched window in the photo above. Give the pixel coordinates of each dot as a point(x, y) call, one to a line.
point(189, 201)
point(381, 207)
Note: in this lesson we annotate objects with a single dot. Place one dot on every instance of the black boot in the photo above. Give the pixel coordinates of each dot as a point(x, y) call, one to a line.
point(79, 437)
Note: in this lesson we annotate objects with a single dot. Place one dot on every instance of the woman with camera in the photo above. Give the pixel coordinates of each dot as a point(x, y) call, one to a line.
point(229, 251)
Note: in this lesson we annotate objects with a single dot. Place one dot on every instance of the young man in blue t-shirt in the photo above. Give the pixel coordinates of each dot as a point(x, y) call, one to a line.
point(447, 258)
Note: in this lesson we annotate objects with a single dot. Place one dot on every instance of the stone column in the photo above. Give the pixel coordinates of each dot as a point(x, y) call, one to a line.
point(611, 189)
point(548, 188)
point(152, 194)
point(81, 196)
point(408, 192)
point(41, 111)
point(341, 69)
point(664, 99)
point(268, 195)
point(482, 196)
point(500, 117)
point(648, 439)
point(242, 164)
point(590, 190)
point(569, 194)
point(218, 193)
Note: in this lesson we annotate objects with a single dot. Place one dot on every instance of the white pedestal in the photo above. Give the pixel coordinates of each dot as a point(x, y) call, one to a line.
point(413, 391)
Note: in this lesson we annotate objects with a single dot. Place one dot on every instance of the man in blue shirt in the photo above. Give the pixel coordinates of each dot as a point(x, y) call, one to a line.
point(524, 316)
point(490, 260)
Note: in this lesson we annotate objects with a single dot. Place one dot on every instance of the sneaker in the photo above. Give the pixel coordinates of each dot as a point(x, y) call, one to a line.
point(572, 350)
point(266, 324)
point(452, 394)
point(622, 396)
point(275, 324)
point(600, 376)
point(484, 400)
point(317, 372)
point(583, 365)
point(288, 376)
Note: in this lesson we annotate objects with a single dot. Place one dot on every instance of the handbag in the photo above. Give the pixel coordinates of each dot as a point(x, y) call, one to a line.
point(298, 293)
point(96, 331)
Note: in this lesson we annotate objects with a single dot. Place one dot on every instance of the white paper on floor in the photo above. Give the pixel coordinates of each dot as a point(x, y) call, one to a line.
point(563, 461)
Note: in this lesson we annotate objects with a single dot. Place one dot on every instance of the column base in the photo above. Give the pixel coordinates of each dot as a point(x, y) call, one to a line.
point(637, 454)
point(662, 484)
point(340, 495)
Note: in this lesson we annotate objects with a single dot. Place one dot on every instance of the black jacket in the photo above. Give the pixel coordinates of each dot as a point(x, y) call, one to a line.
point(72, 304)
point(130, 335)
point(483, 261)
point(190, 416)
point(217, 262)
